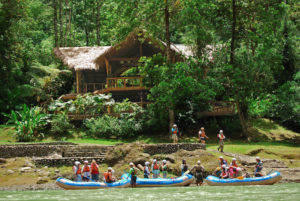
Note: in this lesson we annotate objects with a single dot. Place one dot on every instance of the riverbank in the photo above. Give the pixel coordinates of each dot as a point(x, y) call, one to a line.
point(22, 174)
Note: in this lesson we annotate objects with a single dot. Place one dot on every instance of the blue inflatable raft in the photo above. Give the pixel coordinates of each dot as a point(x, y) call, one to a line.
point(125, 182)
point(269, 179)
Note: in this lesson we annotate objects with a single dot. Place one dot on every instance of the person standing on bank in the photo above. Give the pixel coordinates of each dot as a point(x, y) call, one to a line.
point(221, 138)
point(202, 135)
point(174, 131)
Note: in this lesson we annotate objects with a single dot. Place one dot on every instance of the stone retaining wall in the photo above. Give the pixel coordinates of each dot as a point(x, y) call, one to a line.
point(153, 149)
point(43, 150)
point(65, 161)
point(10, 151)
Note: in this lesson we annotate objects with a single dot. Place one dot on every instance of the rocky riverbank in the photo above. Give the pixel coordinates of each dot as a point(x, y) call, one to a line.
point(22, 173)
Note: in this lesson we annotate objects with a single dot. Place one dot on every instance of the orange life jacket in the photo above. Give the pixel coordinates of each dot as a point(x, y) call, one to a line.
point(202, 134)
point(94, 168)
point(86, 168)
point(107, 176)
point(174, 131)
point(78, 171)
point(155, 167)
point(221, 136)
point(234, 165)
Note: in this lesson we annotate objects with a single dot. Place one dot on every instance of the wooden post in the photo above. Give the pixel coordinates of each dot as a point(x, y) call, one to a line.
point(141, 49)
point(78, 81)
point(124, 82)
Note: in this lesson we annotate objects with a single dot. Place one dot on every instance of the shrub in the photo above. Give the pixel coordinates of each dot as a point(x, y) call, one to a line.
point(29, 123)
point(60, 125)
point(107, 126)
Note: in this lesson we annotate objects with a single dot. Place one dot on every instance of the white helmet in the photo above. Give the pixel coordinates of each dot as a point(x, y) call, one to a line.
point(77, 163)
point(257, 158)
point(86, 161)
point(147, 163)
point(109, 168)
point(174, 125)
point(154, 160)
point(164, 161)
point(221, 157)
point(199, 162)
point(221, 131)
point(131, 163)
point(233, 159)
point(224, 166)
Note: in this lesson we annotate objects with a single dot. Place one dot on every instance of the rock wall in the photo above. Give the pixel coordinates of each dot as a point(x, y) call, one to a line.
point(54, 162)
point(10, 151)
point(153, 149)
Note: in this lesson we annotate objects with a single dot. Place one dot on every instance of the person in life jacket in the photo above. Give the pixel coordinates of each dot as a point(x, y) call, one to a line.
point(221, 138)
point(86, 172)
point(224, 174)
point(184, 167)
point(146, 170)
point(77, 171)
point(217, 172)
point(258, 168)
point(155, 169)
point(174, 132)
point(199, 171)
point(132, 173)
point(202, 135)
point(164, 169)
point(234, 169)
point(108, 177)
point(95, 171)
point(222, 161)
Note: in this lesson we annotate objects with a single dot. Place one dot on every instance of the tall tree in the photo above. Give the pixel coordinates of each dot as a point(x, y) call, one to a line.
point(54, 4)
point(61, 37)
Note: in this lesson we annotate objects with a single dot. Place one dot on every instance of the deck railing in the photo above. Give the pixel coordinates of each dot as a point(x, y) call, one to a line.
point(125, 83)
point(91, 87)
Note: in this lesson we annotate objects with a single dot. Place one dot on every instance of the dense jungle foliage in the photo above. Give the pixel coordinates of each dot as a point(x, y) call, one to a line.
point(255, 59)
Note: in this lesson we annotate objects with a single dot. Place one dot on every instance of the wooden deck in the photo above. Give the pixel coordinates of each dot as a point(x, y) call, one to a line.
point(221, 108)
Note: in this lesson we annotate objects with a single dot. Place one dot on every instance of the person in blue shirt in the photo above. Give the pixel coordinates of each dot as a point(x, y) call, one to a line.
point(174, 131)
point(258, 168)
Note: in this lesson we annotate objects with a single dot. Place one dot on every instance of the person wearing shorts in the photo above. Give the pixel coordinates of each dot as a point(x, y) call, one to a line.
point(174, 131)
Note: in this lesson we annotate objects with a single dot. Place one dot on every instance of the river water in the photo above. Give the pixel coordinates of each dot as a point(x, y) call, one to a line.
point(283, 192)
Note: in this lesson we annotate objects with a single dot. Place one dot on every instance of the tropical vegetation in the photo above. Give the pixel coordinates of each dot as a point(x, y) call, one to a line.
point(255, 63)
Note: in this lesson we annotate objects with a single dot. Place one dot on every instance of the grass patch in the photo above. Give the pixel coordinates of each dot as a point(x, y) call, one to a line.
point(272, 130)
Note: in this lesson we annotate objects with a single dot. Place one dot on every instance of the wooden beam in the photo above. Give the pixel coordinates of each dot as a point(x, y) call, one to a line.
point(107, 66)
point(124, 59)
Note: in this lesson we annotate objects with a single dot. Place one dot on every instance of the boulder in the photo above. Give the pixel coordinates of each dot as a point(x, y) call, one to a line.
point(2, 160)
point(10, 172)
point(24, 169)
point(42, 180)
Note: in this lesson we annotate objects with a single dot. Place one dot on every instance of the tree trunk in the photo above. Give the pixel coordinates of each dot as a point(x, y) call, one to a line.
point(242, 119)
point(60, 23)
point(167, 27)
point(68, 24)
point(232, 48)
point(168, 51)
point(55, 23)
point(98, 23)
point(171, 119)
point(86, 35)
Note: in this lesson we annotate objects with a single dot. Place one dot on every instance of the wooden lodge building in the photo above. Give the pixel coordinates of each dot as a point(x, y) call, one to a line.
point(100, 69)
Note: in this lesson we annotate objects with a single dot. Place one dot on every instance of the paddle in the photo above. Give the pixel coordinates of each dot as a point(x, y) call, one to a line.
point(187, 172)
point(240, 177)
point(140, 167)
point(90, 179)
